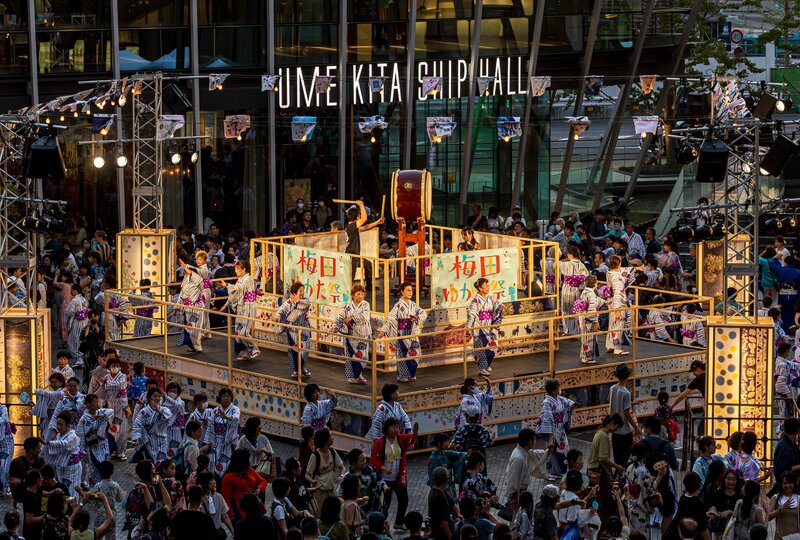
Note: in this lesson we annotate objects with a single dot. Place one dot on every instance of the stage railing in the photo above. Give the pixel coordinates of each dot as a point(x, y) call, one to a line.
point(325, 342)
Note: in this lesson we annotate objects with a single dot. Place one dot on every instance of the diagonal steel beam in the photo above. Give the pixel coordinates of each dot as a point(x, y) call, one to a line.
point(612, 132)
point(587, 65)
point(523, 142)
point(677, 61)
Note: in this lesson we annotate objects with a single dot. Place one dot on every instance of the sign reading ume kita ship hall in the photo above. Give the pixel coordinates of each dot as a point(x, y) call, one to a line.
point(296, 86)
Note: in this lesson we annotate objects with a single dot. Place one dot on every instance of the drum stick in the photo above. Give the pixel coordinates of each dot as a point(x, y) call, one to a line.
point(343, 201)
point(383, 205)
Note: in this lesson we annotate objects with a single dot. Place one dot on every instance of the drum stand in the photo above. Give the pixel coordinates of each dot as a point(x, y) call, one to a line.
point(403, 238)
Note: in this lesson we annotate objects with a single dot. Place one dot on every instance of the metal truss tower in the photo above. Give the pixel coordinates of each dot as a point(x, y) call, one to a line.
point(148, 210)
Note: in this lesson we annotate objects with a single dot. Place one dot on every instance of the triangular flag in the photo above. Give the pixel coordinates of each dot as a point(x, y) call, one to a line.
point(508, 127)
point(647, 82)
point(579, 123)
point(322, 83)
point(101, 123)
point(235, 125)
point(440, 127)
point(168, 124)
point(645, 124)
point(431, 85)
point(593, 84)
point(376, 84)
point(269, 82)
point(539, 85)
point(303, 128)
point(367, 125)
point(215, 80)
point(137, 87)
point(483, 84)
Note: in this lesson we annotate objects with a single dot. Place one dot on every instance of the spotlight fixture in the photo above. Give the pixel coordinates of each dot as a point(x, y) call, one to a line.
point(686, 153)
point(122, 160)
point(787, 103)
point(122, 100)
point(789, 223)
point(99, 162)
point(767, 105)
point(747, 168)
point(773, 225)
point(778, 156)
point(683, 233)
point(175, 158)
point(44, 224)
point(195, 156)
point(702, 233)
point(718, 228)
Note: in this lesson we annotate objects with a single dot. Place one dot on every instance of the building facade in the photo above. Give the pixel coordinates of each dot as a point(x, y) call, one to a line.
point(52, 47)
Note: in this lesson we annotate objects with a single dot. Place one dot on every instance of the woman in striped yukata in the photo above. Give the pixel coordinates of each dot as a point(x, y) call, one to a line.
point(242, 296)
point(114, 391)
point(6, 447)
point(76, 316)
point(150, 429)
point(177, 408)
point(405, 319)
point(65, 453)
point(204, 300)
point(655, 321)
point(484, 314)
point(191, 290)
point(617, 278)
point(692, 330)
point(91, 430)
point(355, 321)
point(73, 402)
point(114, 321)
point(294, 311)
point(587, 305)
point(472, 397)
point(143, 325)
point(573, 273)
point(318, 411)
point(46, 401)
point(223, 432)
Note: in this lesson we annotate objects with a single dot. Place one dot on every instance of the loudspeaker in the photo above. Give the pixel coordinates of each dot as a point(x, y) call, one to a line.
point(44, 159)
point(712, 164)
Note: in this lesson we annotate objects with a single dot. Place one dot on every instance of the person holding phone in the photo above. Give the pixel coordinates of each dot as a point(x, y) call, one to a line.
point(783, 507)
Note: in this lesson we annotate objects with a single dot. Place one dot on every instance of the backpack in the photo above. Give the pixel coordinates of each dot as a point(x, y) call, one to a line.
point(472, 438)
point(318, 461)
point(180, 463)
point(278, 531)
point(655, 455)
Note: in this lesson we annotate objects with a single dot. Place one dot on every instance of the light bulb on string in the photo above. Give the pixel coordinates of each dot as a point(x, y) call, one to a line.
point(276, 89)
point(75, 114)
point(304, 138)
point(47, 120)
point(373, 140)
point(239, 137)
point(506, 138)
point(576, 137)
point(122, 100)
point(61, 118)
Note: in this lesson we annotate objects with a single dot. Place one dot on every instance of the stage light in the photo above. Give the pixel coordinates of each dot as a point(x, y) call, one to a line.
point(175, 158)
point(195, 156)
point(686, 153)
point(789, 223)
point(778, 156)
point(747, 168)
point(767, 105)
point(99, 162)
point(718, 228)
point(787, 103)
point(773, 224)
point(683, 233)
point(122, 161)
point(702, 233)
point(122, 100)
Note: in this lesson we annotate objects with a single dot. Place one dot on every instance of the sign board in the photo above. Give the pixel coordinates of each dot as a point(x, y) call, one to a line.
point(453, 276)
point(325, 274)
point(736, 36)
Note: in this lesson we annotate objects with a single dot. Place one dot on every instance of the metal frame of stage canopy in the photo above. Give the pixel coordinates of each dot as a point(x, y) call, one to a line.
point(148, 188)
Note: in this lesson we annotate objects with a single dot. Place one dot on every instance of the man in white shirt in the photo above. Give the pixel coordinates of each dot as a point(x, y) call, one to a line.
point(516, 215)
point(518, 471)
point(780, 250)
point(635, 243)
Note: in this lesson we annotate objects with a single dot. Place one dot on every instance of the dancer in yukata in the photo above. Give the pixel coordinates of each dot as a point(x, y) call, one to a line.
point(114, 392)
point(692, 331)
point(143, 326)
point(223, 432)
point(355, 321)
point(587, 306)
point(405, 319)
point(318, 411)
point(204, 301)
point(65, 454)
point(294, 311)
point(177, 408)
point(73, 402)
point(6, 448)
point(76, 315)
point(389, 408)
point(617, 278)
point(91, 430)
point(191, 291)
point(46, 401)
point(484, 314)
point(150, 429)
point(574, 273)
point(114, 321)
point(242, 296)
point(472, 397)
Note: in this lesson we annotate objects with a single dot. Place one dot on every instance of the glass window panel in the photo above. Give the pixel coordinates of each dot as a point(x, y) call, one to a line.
point(230, 12)
point(507, 8)
point(505, 37)
point(442, 39)
point(137, 13)
point(232, 46)
point(562, 33)
point(306, 44)
point(14, 52)
point(14, 16)
point(76, 51)
point(154, 49)
point(376, 42)
point(377, 10)
point(306, 11)
point(444, 9)
point(62, 14)
point(568, 7)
